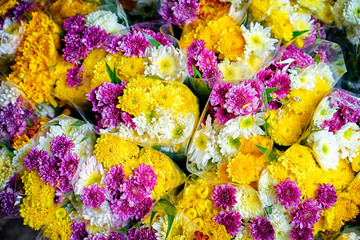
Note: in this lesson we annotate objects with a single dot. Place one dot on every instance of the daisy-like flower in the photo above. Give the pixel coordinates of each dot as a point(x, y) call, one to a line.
point(182, 128)
point(231, 220)
point(288, 193)
point(8, 94)
point(258, 40)
point(224, 195)
point(326, 195)
point(261, 229)
point(244, 98)
point(246, 126)
point(326, 146)
point(266, 188)
point(93, 196)
point(161, 227)
point(145, 175)
point(228, 144)
point(306, 214)
point(352, 12)
point(233, 71)
point(349, 135)
point(323, 113)
point(301, 23)
point(166, 62)
point(105, 20)
point(303, 78)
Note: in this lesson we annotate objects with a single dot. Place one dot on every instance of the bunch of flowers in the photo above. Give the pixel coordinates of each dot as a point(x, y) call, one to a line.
point(146, 110)
point(297, 83)
point(335, 130)
point(232, 126)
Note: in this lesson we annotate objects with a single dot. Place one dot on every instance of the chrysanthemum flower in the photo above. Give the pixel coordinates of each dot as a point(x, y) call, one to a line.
point(242, 169)
point(224, 195)
point(288, 193)
point(134, 192)
point(61, 146)
point(114, 179)
point(93, 196)
point(217, 96)
point(231, 220)
point(326, 195)
point(144, 233)
point(302, 233)
point(231, 44)
point(261, 229)
point(306, 214)
point(144, 174)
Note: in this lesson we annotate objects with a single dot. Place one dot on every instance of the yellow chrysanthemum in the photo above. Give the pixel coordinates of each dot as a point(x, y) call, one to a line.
point(222, 173)
point(39, 200)
point(242, 169)
point(20, 141)
point(130, 67)
point(60, 10)
point(100, 72)
point(5, 5)
point(111, 150)
point(325, 13)
point(213, 9)
point(248, 146)
point(187, 37)
point(259, 9)
point(341, 177)
point(135, 101)
point(355, 164)
point(354, 190)
point(281, 25)
point(248, 203)
point(215, 230)
point(231, 45)
point(93, 57)
point(58, 226)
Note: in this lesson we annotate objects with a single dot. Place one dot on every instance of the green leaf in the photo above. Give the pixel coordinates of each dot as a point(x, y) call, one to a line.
point(86, 137)
point(170, 223)
point(269, 209)
point(28, 17)
point(78, 123)
point(152, 41)
point(196, 72)
point(112, 74)
point(78, 198)
point(316, 130)
point(8, 150)
point(153, 214)
point(109, 71)
point(266, 127)
point(271, 90)
point(262, 149)
point(299, 33)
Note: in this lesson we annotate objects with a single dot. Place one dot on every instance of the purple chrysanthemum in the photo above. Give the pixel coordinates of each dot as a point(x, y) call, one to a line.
point(302, 234)
point(145, 175)
point(261, 229)
point(114, 179)
point(217, 96)
point(12, 121)
point(134, 192)
point(61, 146)
point(244, 98)
point(281, 80)
point(15, 13)
point(222, 115)
point(78, 230)
point(8, 197)
point(301, 60)
point(121, 210)
point(127, 119)
point(68, 166)
point(288, 193)
point(320, 55)
point(142, 209)
point(196, 48)
point(75, 76)
point(326, 195)
point(34, 158)
point(96, 237)
point(231, 220)
point(144, 234)
point(116, 236)
point(93, 196)
point(76, 22)
point(224, 195)
point(110, 117)
point(314, 34)
point(306, 214)
point(74, 51)
point(211, 76)
point(111, 43)
point(93, 37)
point(206, 60)
point(179, 11)
point(49, 169)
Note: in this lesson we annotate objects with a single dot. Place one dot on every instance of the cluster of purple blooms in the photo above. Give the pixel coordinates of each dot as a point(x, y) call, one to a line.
point(8, 196)
point(104, 99)
point(179, 11)
point(307, 213)
point(79, 233)
point(16, 13)
point(130, 198)
point(347, 110)
point(205, 61)
point(229, 100)
point(57, 168)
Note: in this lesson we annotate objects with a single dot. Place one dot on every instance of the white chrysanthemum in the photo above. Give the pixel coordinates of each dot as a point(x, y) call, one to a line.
point(266, 190)
point(10, 40)
point(304, 78)
point(280, 220)
point(105, 19)
point(202, 147)
point(18, 159)
point(161, 227)
point(7, 170)
point(326, 148)
point(248, 203)
point(8, 94)
point(183, 128)
point(90, 171)
point(229, 146)
point(245, 126)
point(166, 62)
point(338, 10)
point(352, 12)
point(323, 113)
point(258, 40)
point(348, 137)
point(324, 72)
point(353, 34)
point(301, 23)
point(99, 217)
point(44, 143)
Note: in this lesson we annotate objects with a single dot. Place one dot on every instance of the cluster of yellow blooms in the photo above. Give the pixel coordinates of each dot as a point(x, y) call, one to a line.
point(36, 57)
point(111, 150)
point(288, 123)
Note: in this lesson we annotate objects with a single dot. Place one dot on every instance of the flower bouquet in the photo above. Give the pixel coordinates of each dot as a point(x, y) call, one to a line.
point(231, 137)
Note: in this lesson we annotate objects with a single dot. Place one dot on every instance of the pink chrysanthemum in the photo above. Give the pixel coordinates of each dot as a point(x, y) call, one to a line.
point(145, 175)
point(326, 195)
point(231, 220)
point(121, 210)
point(281, 80)
point(261, 229)
point(61, 146)
point(217, 96)
point(142, 209)
point(244, 98)
point(93, 196)
point(114, 179)
point(195, 48)
point(222, 115)
point(306, 214)
point(302, 234)
point(288, 193)
point(206, 59)
point(301, 59)
point(224, 195)
point(134, 192)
